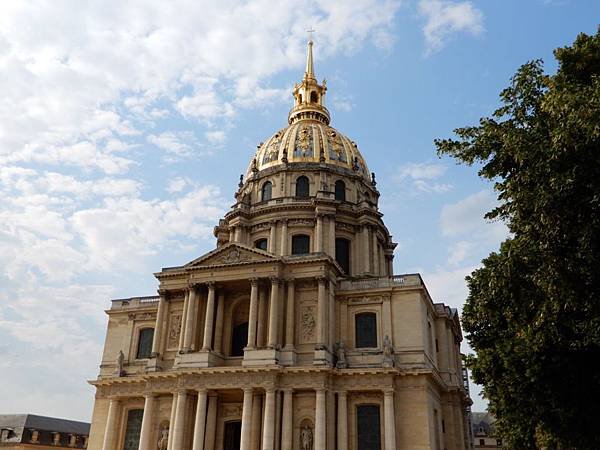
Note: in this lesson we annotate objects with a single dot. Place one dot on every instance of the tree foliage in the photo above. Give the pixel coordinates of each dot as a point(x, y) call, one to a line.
point(533, 310)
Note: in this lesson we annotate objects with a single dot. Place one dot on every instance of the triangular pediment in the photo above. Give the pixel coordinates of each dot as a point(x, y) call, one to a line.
point(232, 254)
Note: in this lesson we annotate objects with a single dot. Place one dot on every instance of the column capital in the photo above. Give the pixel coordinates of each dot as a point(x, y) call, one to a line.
point(287, 390)
point(150, 394)
point(203, 391)
point(342, 392)
point(270, 389)
point(273, 222)
point(321, 279)
point(290, 280)
point(180, 391)
point(388, 391)
point(210, 285)
point(162, 292)
point(254, 281)
point(248, 390)
point(320, 389)
point(275, 280)
point(284, 221)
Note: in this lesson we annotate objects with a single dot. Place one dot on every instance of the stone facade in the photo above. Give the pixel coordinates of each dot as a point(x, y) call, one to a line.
point(293, 334)
point(30, 431)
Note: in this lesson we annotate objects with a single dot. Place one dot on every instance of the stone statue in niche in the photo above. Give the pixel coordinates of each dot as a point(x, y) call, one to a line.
point(388, 352)
point(306, 438)
point(164, 438)
point(120, 361)
point(341, 356)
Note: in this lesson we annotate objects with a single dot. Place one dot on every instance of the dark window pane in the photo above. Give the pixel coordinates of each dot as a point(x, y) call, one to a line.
point(233, 433)
point(239, 339)
point(267, 190)
point(366, 330)
point(145, 343)
point(340, 190)
point(300, 244)
point(262, 244)
point(134, 426)
point(342, 254)
point(367, 424)
point(302, 189)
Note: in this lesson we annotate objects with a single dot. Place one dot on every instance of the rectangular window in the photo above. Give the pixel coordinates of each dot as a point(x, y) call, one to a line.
point(367, 427)
point(145, 343)
point(134, 427)
point(300, 244)
point(366, 330)
point(342, 254)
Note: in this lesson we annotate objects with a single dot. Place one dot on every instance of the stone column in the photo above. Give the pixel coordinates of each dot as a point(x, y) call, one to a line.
point(272, 236)
point(237, 236)
point(146, 430)
point(342, 421)
point(211, 423)
point(273, 313)
point(179, 425)
point(256, 421)
point(210, 315)
point(319, 234)
point(389, 420)
point(246, 420)
point(331, 317)
point(218, 344)
point(252, 315)
point(200, 422)
point(269, 425)
point(111, 429)
point(186, 302)
point(321, 313)
point(290, 316)
point(366, 257)
point(375, 251)
point(172, 421)
point(190, 319)
point(284, 237)
point(287, 420)
point(262, 317)
point(320, 420)
point(331, 237)
point(160, 317)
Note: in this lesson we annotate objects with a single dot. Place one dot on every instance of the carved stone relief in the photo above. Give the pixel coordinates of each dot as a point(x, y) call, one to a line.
point(174, 331)
point(233, 256)
point(308, 324)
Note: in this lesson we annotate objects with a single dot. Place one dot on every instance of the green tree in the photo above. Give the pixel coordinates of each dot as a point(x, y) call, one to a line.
point(533, 310)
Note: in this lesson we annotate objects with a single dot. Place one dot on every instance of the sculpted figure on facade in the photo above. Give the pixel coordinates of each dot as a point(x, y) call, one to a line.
point(388, 352)
point(306, 438)
point(120, 361)
point(341, 356)
point(164, 438)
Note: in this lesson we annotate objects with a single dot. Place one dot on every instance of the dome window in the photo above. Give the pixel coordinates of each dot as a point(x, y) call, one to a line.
point(267, 190)
point(340, 190)
point(261, 244)
point(300, 244)
point(302, 187)
point(314, 97)
point(342, 254)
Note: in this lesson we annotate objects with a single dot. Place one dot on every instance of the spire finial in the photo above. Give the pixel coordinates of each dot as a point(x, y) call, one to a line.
point(310, 69)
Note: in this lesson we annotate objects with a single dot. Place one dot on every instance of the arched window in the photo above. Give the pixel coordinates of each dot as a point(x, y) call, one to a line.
point(342, 254)
point(366, 330)
point(144, 348)
point(300, 244)
point(340, 190)
point(239, 339)
point(302, 187)
point(261, 243)
point(313, 97)
point(267, 190)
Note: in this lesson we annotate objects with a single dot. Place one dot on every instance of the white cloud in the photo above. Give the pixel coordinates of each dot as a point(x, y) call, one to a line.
point(215, 137)
point(466, 218)
point(420, 177)
point(445, 17)
point(177, 145)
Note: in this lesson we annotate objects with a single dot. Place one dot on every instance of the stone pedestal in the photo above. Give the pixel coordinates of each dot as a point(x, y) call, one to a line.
point(288, 356)
point(154, 365)
point(203, 358)
point(261, 357)
point(322, 358)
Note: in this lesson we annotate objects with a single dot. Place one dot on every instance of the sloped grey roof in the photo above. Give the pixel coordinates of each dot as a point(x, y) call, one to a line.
point(43, 423)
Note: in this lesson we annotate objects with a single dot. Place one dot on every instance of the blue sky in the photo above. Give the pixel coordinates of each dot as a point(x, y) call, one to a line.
point(124, 128)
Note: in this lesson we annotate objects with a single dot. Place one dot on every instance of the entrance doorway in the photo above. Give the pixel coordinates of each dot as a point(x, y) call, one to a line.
point(233, 434)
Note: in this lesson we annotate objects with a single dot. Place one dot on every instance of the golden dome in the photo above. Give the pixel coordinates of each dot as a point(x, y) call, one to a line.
point(309, 138)
point(309, 141)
